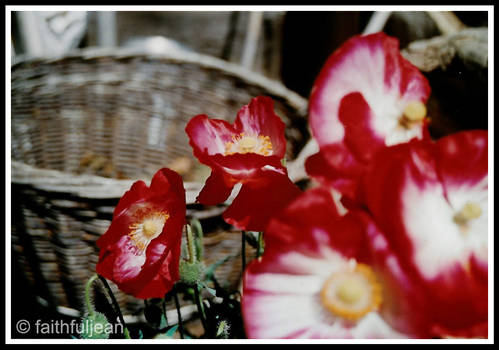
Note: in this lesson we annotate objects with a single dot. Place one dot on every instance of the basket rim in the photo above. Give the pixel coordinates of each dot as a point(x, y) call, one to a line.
point(177, 54)
point(83, 185)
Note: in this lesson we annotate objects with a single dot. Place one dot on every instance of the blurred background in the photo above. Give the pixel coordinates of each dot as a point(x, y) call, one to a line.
point(276, 44)
point(160, 64)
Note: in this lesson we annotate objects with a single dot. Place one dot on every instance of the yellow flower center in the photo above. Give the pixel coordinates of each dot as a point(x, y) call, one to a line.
point(150, 227)
point(414, 113)
point(470, 211)
point(147, 228)
point(249, 144)
point(352, 293)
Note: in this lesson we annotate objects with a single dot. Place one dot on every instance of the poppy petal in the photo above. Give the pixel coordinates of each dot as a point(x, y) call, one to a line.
point(257, 202)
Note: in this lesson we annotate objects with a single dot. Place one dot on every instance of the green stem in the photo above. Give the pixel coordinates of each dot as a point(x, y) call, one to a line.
point(190, 245)
point(116, 306)
point(164, 311)
point(198, 229)
point(179, 315)
point(199, 304)
point(260, 248)
point(90, 308)
point(243, 250)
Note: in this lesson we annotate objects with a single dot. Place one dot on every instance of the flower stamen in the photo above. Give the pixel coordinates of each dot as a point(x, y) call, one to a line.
point(414, 113)
point(352, 293)
point(147, 229)
point(249, 144)
point(470, 211)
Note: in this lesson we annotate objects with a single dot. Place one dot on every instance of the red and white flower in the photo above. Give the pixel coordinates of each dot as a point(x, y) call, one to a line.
point(249, 152)
point(366, 97)
point(323, 275)
point(430, 199)
point(140, 251)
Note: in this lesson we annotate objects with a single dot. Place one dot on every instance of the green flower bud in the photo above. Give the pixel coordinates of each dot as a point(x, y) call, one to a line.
point(95, 326)
point(191, 273)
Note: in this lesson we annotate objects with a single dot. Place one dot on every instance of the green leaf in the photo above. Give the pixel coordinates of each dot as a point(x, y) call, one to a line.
point(210, 270)
point(212, 291)
point(169, 334)
point(171, 331)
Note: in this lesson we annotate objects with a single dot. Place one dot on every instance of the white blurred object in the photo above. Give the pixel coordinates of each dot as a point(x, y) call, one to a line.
point(155, 44)
point(107, 29)
point(51, 32)
point(252, 36)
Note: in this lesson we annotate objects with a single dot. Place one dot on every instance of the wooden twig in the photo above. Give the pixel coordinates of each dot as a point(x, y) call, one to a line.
point(377, 22)
point(447, 22)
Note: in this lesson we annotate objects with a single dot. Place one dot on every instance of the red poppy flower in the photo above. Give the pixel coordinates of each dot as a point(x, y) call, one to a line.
point(431, 201)
point(366, 97)
point(324, 275)
point(140, 251)
point(247, 152)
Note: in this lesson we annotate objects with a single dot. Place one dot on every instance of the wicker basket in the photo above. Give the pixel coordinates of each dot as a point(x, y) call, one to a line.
point(86, 125)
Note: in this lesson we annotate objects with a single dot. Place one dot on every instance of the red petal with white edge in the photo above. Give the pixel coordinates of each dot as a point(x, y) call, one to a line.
point(304, 244)
point(257, 202)
point(372, 66)
point(208, 137)
point(244, 167)
point(136, 193)
point(258, 118)
point(415, 206)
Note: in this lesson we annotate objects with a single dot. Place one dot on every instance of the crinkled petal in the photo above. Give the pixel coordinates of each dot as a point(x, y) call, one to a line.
point(257, 202)
point(208, 136)
point(335, 166)
point(215, 190)
point(258, 118)
point(311, 222)
point(244, 167)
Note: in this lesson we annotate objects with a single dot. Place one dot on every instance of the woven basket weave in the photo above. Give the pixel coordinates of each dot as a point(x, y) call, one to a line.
point(86, 125)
